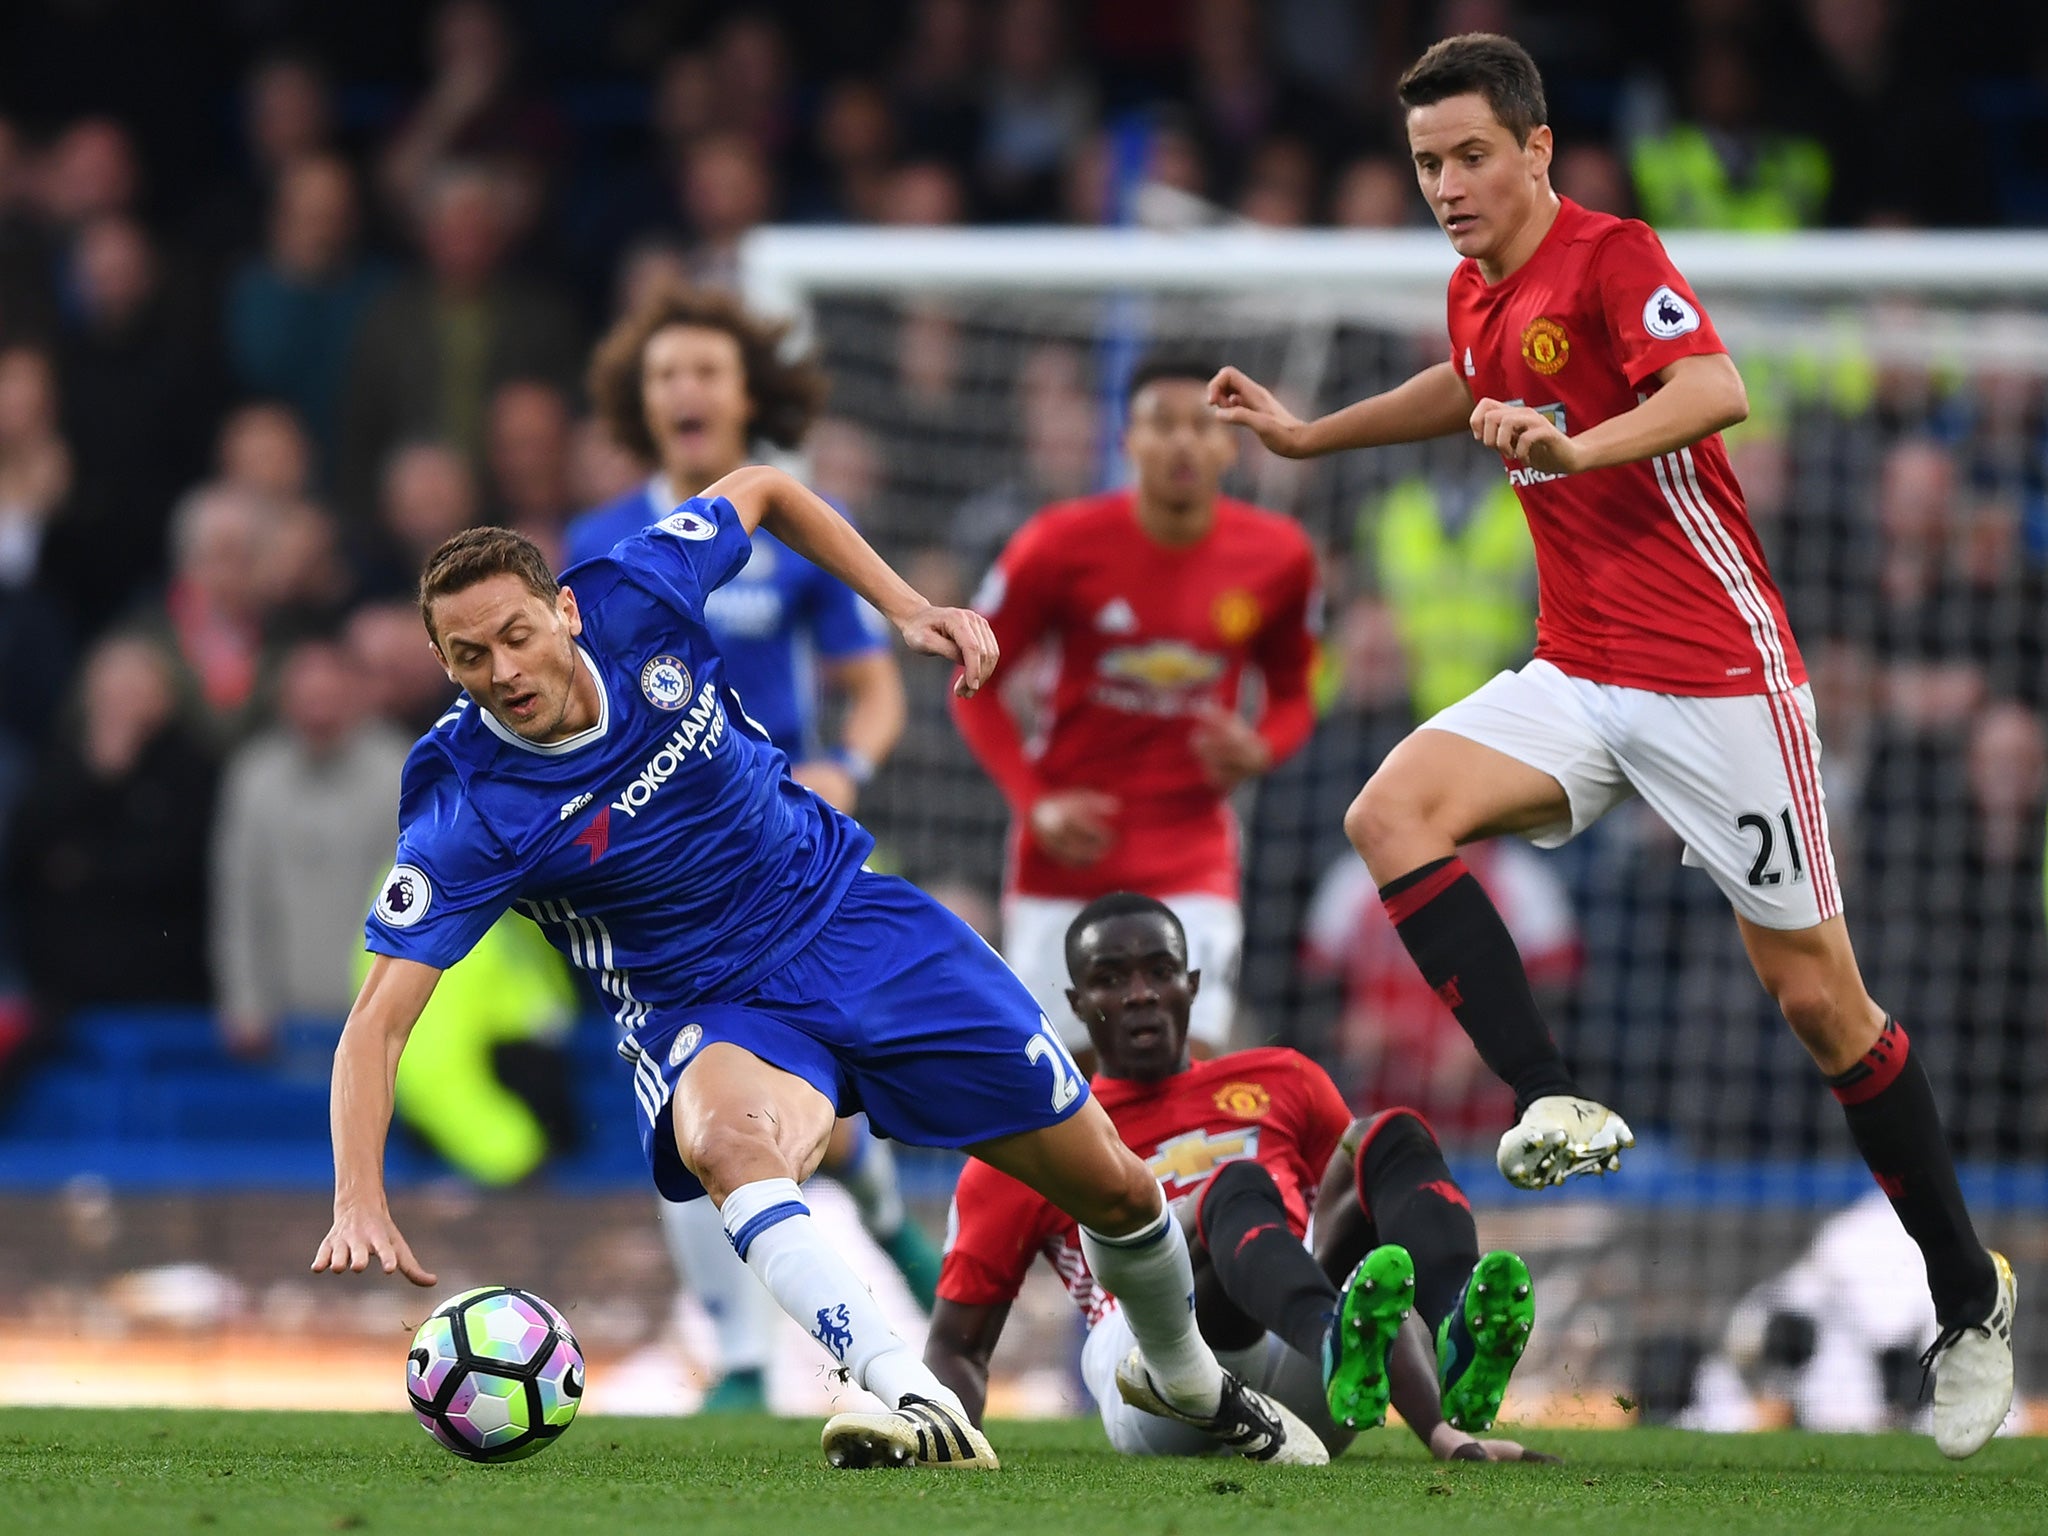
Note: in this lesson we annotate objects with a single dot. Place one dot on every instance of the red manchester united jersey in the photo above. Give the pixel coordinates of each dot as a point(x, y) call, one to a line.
point(1148, 636)
point(1272, 1105)
point(1649, 575)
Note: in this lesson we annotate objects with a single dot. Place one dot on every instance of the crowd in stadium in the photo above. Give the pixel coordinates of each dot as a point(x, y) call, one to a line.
point(267, 339)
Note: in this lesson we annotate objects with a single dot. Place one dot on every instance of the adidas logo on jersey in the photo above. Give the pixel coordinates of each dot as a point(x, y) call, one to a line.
point(1470, 371)
point(1116, 618)
point(573, 806)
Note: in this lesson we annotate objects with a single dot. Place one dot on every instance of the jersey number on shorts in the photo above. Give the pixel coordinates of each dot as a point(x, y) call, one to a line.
point(1066, 1077)
point(1760, 870)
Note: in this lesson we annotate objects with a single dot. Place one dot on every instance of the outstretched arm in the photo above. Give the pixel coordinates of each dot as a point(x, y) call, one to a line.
point(1700, 395)
point(957, 1349)
point(1434, 403)
point(807, 523)
point(365, 1069)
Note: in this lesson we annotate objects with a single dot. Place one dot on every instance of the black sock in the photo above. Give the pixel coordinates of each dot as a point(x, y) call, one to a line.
point(1890, 1107)
point(1406, 1187)
point(1463, 950)
point(1260, 1262)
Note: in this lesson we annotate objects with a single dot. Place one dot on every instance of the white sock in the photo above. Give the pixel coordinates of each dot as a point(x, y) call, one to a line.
point(1150, 1275)
point(771, 1228)
point(870, 1177)
point(740, 1310)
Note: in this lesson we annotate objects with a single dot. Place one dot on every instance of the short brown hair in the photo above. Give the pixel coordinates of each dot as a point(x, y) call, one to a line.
point(477, 554)
point(786, 392)
point(1480, 64)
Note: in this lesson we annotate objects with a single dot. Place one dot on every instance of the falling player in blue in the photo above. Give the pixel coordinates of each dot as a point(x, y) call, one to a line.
point(689, 382)
point(600, 776)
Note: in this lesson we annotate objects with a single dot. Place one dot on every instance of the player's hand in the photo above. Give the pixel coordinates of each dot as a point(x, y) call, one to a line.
point(829, 782)
point(958, 634)
point(1508, 1450)
point(1074, 825)
point(1229, 750)
point(1245, 402)
point(1519, 432)
point(359, 1236)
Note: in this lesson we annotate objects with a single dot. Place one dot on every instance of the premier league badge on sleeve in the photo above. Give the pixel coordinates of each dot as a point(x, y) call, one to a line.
point(666, 682)
point(404, 897)
point(685, 524)
point(1668, 316)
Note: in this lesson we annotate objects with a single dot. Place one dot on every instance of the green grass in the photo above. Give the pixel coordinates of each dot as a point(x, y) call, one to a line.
point(76, 1471)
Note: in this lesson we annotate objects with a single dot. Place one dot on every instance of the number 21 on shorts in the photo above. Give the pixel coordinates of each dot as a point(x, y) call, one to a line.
point(1762, 870)
point(1066, 1077)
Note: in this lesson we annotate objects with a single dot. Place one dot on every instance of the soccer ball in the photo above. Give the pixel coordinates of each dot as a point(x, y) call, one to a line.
point(494, 1374)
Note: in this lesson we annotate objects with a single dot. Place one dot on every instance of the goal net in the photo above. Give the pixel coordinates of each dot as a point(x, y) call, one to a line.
point(1896, 464)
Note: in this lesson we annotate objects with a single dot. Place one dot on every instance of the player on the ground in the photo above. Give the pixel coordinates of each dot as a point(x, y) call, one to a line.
point(689, 382)
point(601, 775)
point(1241, 1144)
point(1158, 598)
point(1664, 667)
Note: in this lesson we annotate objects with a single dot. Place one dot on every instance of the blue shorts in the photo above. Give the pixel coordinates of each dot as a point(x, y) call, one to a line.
point(897, 1008)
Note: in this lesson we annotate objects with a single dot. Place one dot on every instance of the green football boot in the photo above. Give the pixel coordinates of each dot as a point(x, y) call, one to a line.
point(1482, 1339)
point(1373, 1305)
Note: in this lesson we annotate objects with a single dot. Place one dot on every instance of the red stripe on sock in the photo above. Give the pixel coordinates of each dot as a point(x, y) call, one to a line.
point(1885, 1061)
point(1403, 905)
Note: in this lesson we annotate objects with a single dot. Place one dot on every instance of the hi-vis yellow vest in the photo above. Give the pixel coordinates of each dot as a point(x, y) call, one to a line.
point(1463, 602)
point(1681, 183)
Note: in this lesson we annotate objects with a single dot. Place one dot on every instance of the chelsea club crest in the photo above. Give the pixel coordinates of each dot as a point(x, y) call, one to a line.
point(666, 682)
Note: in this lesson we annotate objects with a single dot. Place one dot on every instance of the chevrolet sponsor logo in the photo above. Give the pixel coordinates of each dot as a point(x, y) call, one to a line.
point(1167, 664)
point(1192, 1157)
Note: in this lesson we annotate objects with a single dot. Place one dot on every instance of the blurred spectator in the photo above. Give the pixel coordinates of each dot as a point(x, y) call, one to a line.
point(1279, 189)
point(292, 313)
point(1061, 458)
point(855, 145)
point(475, 110)
point(1398, 1042)
point(923, 194)
point(106, 862)
point(209, 622)
point(397, 666)
point(28, 297)
point(751, 78)
point(937, 89)
point(301, 834)
point(529, 462)
point(36, 469)
point(1374, 192)
point(1037, 107)
point(726, 187)
point(434, 345)
point(1593, 176)
point(139, 390)
point(287, 119)
point(89, 173)
point(601, 469)
point(262, 448)
point(1234, 98)
point(428, 496)
point(1723, 168)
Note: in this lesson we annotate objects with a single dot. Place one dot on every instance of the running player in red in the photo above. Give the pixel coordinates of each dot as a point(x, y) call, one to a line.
point(1158, 598)
point(1240, 1144)
point(1664, 668)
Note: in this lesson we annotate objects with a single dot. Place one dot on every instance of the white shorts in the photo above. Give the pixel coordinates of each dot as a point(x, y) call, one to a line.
point(1269, 1366)
point(1035, 945)
point(1737, 778)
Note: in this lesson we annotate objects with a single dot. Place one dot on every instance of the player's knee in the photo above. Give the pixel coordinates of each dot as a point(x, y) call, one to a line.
point(1124, 1203)
point(726, 1151)
point(1382, 814)
point(1812, 1006)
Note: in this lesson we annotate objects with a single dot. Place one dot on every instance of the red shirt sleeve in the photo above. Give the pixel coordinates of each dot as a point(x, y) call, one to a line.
point(1286, 653)
point(1653, 318)
point(1325, 1116)
point(1017, 598)
point(993, 1232)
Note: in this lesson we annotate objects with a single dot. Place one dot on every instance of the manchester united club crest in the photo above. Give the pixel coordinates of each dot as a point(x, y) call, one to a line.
point(1247, 1101)
point(1545, 346)
point(1236, 615)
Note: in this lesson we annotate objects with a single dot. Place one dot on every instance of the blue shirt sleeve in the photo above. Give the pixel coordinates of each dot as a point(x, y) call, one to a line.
point(453, 878)
point(692, 552)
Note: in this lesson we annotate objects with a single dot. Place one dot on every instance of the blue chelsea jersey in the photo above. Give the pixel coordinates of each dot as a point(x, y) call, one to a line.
point(665, 850)
point(772, 621)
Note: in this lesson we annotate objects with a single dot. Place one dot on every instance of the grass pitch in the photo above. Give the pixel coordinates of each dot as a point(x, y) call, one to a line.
point(79, 1471)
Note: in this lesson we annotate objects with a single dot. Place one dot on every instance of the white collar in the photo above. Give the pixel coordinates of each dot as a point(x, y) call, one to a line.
point(581, 739)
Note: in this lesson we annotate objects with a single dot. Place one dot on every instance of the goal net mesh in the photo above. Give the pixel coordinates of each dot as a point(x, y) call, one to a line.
point(1896, 465)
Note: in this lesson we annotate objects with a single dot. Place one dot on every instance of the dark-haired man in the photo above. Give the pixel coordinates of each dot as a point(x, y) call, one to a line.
point(1241, 1144)
point(1664, 668)
point(690, 383)
point(1157, 598)
point(601, 776)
